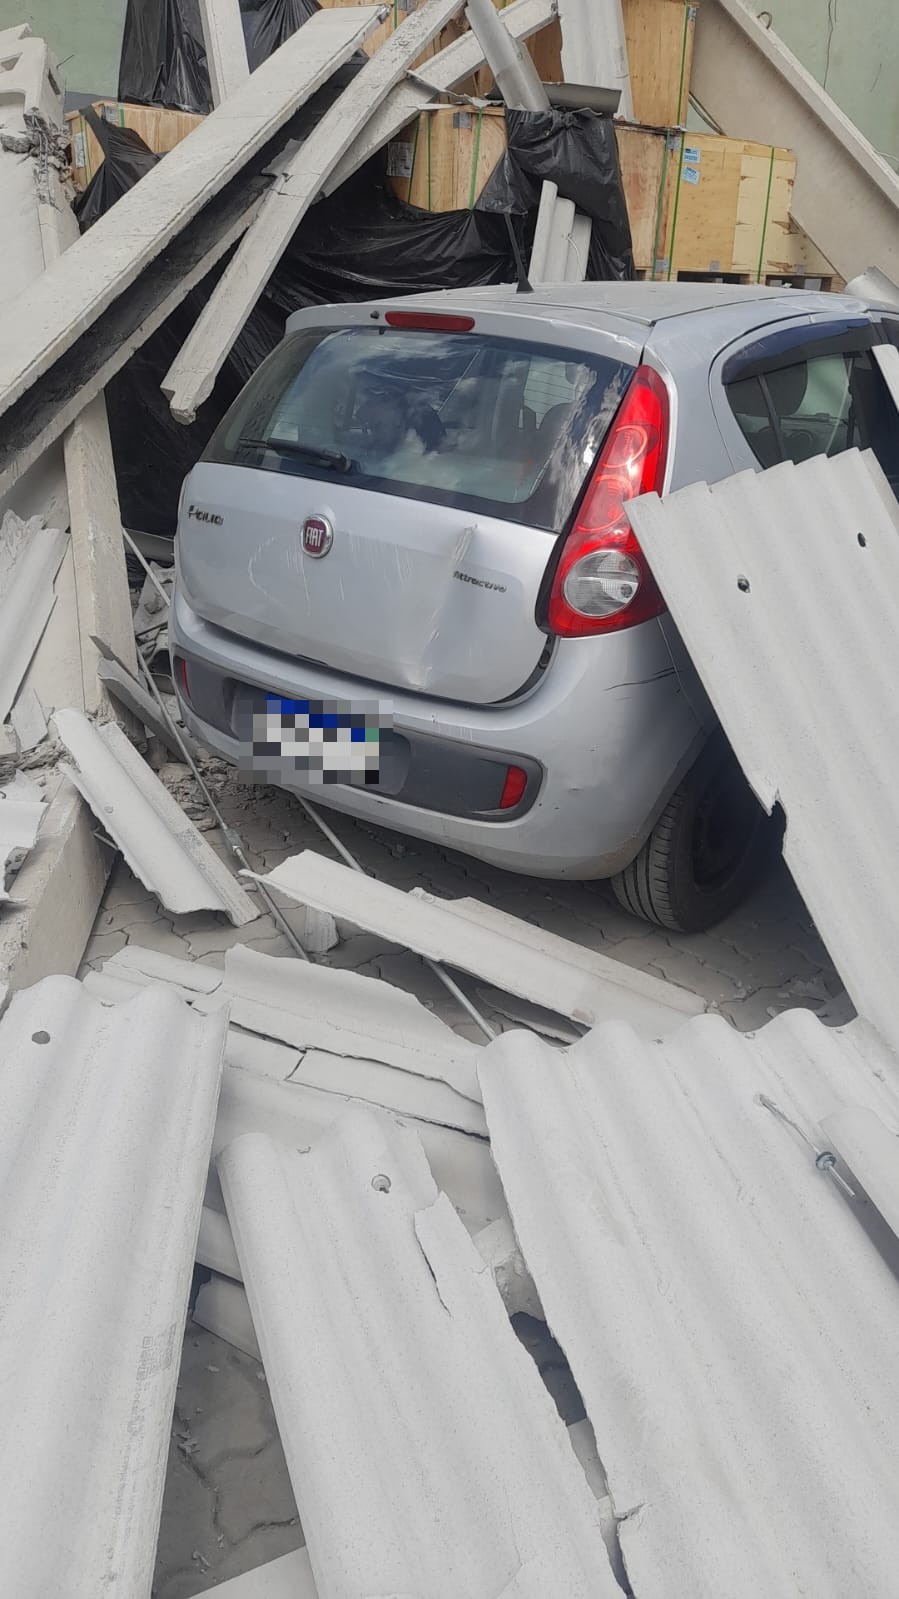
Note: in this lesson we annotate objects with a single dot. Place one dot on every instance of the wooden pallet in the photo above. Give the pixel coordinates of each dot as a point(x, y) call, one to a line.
point(159, 128)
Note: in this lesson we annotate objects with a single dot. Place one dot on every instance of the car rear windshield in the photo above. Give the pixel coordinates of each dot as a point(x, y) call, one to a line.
point(482, 423)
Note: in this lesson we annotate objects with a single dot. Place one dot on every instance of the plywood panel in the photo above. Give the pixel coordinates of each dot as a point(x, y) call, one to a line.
point(443, 161)
point(650, 161)
point(659, 36)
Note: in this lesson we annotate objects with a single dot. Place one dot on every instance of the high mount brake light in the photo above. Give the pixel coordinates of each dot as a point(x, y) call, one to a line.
point(602, 582)
point(429, 321)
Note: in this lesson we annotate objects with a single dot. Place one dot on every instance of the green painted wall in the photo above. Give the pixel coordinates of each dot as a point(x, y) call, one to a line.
point(84, 35)
point(852, 48)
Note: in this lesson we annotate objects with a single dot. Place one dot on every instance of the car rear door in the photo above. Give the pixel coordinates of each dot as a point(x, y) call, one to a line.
point(807, 388)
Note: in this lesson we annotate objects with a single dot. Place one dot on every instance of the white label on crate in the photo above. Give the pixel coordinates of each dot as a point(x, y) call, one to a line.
point(80, 151)
point(110, 113)
point(399, 159)
point(691, 174)
point(692, 155)
point(691, 13)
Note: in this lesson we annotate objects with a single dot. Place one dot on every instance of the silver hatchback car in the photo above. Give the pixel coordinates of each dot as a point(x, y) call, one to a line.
point(407, 586)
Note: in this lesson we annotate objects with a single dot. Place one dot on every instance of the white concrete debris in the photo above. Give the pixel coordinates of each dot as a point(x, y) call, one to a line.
point(350, 1034)
point(30, 557)
point(106, 1119)
point(192, 376)
point(287, 1578)
point(263, 1090)
point(51, 314)
point(22, 807)
point(448, 68)
point(728, 1317)
point(160, 844)
point(521, 959)
point(226, 50)
point(222, 1308)
point(810, 710)
point(28, 720)
point(426, 1456)
point(347, 1013)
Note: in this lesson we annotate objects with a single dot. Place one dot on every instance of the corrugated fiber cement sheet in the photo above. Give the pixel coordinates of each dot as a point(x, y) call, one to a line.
point(785, 588)
point(106, 1123)
point(731, 1316)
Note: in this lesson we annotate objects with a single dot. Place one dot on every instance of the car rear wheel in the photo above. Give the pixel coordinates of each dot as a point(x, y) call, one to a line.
point(708, 849)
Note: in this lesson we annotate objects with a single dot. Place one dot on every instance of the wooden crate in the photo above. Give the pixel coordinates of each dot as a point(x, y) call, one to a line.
point(659, 35)
point(731, 208)
point(159, 128)
point(442, 161)
point(650, 158)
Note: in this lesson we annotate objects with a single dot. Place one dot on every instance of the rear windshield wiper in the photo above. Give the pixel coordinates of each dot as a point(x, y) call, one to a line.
point(309, 452)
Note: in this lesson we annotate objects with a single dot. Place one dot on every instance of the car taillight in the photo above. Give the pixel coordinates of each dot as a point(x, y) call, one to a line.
point(513, 788)
point(429, 321)
point(181, 677)
point(602, 581)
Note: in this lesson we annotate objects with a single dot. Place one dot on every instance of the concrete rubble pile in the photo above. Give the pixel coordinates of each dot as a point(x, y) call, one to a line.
point(329, 1176)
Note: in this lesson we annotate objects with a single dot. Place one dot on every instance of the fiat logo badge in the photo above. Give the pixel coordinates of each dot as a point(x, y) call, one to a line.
point(318, 536)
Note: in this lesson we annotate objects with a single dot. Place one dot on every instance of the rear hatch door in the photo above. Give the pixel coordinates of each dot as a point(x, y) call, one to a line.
point(383, 502)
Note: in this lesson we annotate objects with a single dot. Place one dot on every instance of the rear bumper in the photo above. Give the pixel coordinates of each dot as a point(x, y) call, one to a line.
point(605, 738)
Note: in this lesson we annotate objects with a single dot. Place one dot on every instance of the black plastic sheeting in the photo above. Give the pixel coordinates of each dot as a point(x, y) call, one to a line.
point(163, 56)
point(578, 151)
point(126, 160)
point(360, 243)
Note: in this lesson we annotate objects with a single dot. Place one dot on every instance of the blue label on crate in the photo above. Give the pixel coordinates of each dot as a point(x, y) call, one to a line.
point(691, 174)
point(692, 155)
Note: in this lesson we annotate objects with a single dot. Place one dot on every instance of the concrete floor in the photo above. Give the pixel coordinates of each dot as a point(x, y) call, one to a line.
point(229, 1505)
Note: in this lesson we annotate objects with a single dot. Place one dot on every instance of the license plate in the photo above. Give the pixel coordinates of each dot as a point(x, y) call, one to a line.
point(326, 741)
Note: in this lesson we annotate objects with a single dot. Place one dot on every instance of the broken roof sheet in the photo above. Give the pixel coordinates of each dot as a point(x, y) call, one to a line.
point(106, 1121)
point(30, 557)
point(425, 1453)
point(296, 1092)
point(161, 845)
point(517, 957)
point(45, 320)
point(785, 587)
point(728, 1317)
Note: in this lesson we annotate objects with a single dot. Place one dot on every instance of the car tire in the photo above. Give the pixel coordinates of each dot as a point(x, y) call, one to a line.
point(709, 848)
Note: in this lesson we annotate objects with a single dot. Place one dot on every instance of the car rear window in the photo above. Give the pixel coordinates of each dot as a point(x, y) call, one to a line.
point(487, 424)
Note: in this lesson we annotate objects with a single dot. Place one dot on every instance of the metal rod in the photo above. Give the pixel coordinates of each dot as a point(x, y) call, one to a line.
point(146, 565)
point(825, 1159)
point(448, 982)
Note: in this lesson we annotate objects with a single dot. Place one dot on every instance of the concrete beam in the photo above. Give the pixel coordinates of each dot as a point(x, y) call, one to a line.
point(446, 69)
point(226, 50)
point(191, 379)
point(748, 83)
point(52, 314)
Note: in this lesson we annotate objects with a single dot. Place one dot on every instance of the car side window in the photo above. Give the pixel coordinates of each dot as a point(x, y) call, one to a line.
point(820, 405)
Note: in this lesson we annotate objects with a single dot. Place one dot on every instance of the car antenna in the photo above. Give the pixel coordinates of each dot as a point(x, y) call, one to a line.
point(525, 286)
